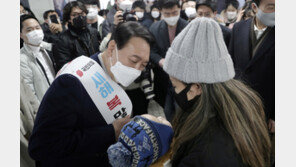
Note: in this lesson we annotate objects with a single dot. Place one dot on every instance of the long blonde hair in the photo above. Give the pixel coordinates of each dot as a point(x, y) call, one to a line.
point(242, 114)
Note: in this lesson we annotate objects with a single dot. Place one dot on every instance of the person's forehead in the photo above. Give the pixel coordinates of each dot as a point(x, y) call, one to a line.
point(76, 10)
point(185, 4)
point(30, 23)
point(173, 9)
point(204, 8)
point(52, 13)
point(231, 7)
point(267, 2)
point(138, 46)
point(191, 3)
point(138, 8)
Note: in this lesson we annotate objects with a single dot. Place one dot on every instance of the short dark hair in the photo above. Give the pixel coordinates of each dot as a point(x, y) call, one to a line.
point(154, 6)
point(257, 2)
point(26, 17)
point(234, 3)
point(209, 3)
point(103, 12)
point(46, 13)
point(125, 31)
point(27, 9)
point(139, 4)
point(90, 2)
point(167, 4)
point(68, 8)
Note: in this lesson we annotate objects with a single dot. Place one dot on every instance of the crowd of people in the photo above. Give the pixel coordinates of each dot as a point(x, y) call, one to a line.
point(88, 77)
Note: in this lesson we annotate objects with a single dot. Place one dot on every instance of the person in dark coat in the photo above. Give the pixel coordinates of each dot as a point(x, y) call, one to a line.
point(252, 48)
point(208, 8)
point(79, 39)
point(164, 32)
point(220, 119)
point(69, 130)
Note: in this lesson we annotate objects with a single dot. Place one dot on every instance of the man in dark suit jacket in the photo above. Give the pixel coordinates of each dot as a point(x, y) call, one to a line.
point(252, 47)
point(164, 31)
point(70, 130)
point(208, 8)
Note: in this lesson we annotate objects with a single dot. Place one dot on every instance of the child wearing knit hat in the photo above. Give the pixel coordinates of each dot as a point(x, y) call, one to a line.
point(141, 142)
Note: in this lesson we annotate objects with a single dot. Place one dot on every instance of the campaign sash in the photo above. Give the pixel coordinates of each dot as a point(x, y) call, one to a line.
point(110, 99)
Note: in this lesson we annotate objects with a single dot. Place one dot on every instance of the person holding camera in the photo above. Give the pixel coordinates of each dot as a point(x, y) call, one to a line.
point(52, 26)
point(112, 16)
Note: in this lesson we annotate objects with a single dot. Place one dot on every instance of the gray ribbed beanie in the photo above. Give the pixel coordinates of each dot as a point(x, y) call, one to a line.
point(199, 55)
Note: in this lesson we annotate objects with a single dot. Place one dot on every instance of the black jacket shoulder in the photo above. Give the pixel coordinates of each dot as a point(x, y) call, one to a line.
point(243, 23)
point(215, 148)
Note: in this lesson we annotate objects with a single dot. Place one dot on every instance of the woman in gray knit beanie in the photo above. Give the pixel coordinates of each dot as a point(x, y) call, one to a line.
point(221, 120)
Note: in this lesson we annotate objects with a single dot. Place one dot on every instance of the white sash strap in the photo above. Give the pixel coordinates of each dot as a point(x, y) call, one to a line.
point(110, 99)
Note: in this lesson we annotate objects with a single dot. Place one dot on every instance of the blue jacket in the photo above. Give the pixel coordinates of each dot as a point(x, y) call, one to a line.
point(69, 130)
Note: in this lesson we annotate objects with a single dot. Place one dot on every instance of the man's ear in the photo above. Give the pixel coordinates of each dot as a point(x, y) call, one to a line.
point(22, 35)
point(196, 89)
point(111, 47)
point(254, 8)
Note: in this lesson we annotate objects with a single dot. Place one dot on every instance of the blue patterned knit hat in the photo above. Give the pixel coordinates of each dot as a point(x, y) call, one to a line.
point(141, 142)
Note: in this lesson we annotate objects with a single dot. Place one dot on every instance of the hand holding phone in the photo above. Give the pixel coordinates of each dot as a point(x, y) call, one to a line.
point(53, 19)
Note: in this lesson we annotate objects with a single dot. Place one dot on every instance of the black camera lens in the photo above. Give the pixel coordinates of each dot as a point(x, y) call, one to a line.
point(129, 16)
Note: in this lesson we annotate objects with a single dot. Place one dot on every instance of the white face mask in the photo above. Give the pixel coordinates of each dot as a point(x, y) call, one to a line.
point(190, 12)
point(35, 37)
point(123, 74)
point(140, 15)
point(171, 20)
point(231, 15)
point(126, 5)
point(92, 13)
point(155, 14)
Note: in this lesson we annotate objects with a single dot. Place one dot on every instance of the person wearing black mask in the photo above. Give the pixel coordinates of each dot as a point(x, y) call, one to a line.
point(79, 39)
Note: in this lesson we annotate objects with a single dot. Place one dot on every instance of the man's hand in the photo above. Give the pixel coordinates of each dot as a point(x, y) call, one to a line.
point(118, 17)
point(240, 15)
point(118, 124)
point(55, 28)
point(161, 62)
point(271, 126)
